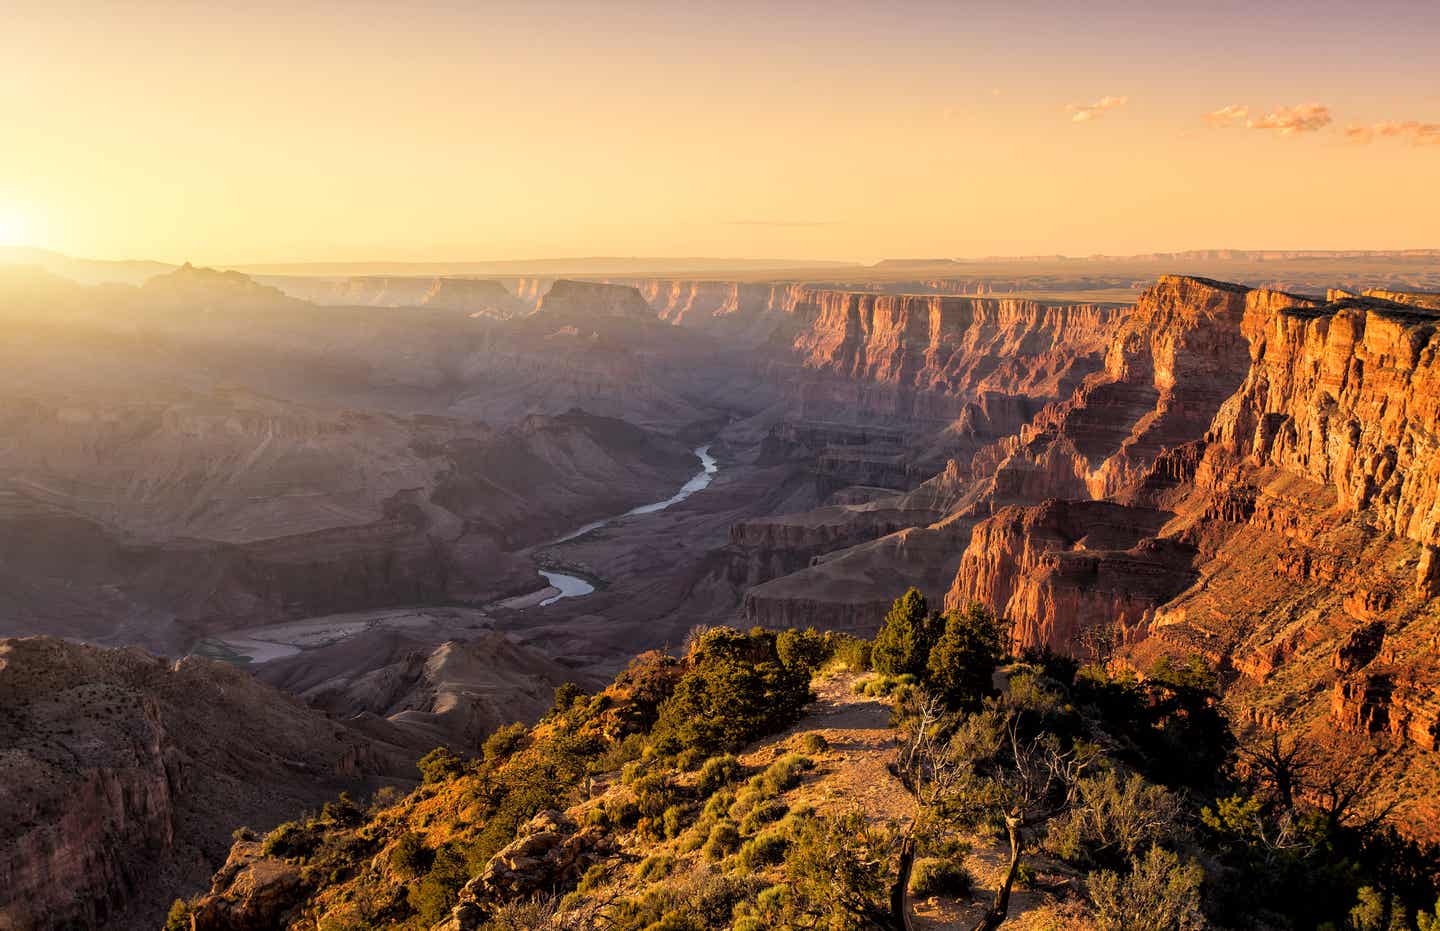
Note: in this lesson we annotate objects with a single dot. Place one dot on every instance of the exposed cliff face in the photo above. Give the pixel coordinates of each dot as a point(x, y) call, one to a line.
point(123, 776)
point(925, 357)
point(1061, 571)
point(476, 296)
point(1168, 368)
point(1290, 541)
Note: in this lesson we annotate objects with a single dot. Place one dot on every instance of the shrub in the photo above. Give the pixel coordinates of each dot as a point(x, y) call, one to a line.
point(598, 816)
point(504, 742)
point(936, 876)
point(594, 878)
point(734, 690)
point(179, 917)
point(814, 742)
point(764, 849)
point(719, 804)
point(1114, 819)
point(802, 649)
point(410, 857)
point(688, 760)
point(674, 821)
point(723, 839)
point(1159, 894)
point(566, 695)
point(440, 765)
point(762, 814)
point(655, 868)
point(851, 652)
point(291, 839)
point(242, 833)
point(717, 771)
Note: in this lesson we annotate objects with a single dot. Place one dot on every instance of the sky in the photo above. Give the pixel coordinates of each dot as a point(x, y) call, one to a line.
point(233, 133)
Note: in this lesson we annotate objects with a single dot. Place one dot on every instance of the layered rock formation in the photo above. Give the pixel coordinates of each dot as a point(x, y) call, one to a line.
point(123, 775)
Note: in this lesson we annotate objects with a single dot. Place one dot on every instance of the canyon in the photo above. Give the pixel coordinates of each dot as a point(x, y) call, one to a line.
point(359, 476)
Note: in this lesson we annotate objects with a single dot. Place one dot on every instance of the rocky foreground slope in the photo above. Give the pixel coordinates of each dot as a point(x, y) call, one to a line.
point(123, 775)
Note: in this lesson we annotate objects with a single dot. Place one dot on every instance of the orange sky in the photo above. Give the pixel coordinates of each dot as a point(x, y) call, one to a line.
point(450, 131)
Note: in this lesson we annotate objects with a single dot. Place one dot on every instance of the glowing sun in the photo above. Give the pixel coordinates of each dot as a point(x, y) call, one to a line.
point(14, 230)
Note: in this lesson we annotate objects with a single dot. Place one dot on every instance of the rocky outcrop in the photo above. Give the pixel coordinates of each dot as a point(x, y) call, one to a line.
point(1061, 570)
point(124, 774)
point(1167, 371)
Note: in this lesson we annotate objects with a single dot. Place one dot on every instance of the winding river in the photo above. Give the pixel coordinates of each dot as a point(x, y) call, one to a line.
point(572, 586)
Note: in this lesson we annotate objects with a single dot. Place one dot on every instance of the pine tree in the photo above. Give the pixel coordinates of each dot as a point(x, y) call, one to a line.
point(965, 656)
point(903, 643)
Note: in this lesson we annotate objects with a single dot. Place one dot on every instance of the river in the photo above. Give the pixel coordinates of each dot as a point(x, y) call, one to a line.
point(573, 586)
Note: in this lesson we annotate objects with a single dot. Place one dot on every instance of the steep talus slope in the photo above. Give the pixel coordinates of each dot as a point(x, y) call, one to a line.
point(122, 776)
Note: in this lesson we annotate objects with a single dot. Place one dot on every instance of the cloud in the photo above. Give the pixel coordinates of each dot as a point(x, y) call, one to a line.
point(1288, 121)
point(1412, 131)
point(1233, 115)
point(1084, 113)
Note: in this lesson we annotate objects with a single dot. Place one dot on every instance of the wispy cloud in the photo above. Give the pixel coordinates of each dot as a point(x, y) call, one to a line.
point(1411, 131)
point(1084, 113)
point(1287, 121)
point(1233, 115)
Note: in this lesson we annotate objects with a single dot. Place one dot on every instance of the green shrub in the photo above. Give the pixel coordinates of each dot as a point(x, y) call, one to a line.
point(598, 816)
point(762, 814)
point(851, 652)
point(936, 876)
point(179, 917)
point(802, 649)
point(504, 742)
point(440, 765)
point(688, 760)
point(594, 878)
point(242, 833)
point(963, 661)
point(674, 820)
point(724, 838)
point(719, 804)
point(655, 868)
point(291, 839)
point(814, 742)
point(734, 690)
point(1159, 894)
point(410, 857)
point(717, 771)
point(764, 849)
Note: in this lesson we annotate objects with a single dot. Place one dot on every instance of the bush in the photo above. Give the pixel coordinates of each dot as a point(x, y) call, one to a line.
point(734, 690)
point(1159, 894)
point(440, 765)
point(723, 839)
point(717, 771)
point(802, 649)
point(762, 814)
point(673, 821)
point(179, 917)
point(719, 804)
point(764, 849)
point(504, 742)
point(814, 742)
point(851, 652)
point(688, 760)
point(936, 876)
point(655, 868)
point(410, 857)
point(242, 833)
point(291, 839)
